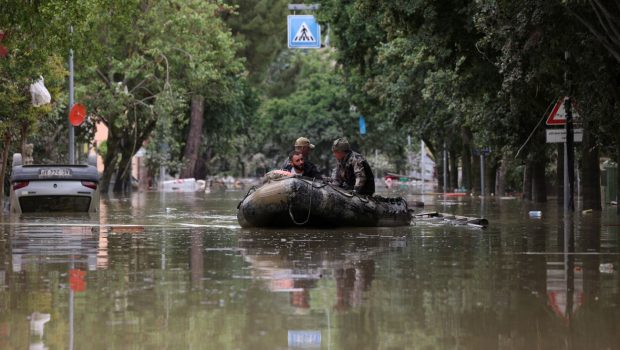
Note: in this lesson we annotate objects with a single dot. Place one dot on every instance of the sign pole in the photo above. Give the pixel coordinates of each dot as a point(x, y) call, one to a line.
point(71, 130)
point(569, 160)
point(482, 174)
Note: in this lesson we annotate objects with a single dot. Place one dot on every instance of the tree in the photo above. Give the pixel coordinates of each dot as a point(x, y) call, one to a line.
point(260, 26)
point(32, 53)
point(170, 53)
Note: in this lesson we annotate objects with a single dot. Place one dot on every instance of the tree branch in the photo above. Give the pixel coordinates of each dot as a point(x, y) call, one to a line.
point(610, 19)
point(599, 36)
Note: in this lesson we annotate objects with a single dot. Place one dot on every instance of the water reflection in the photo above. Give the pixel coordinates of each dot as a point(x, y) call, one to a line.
point(294, 263)
point(189, 277)
point(49, 254)
point(323, 275)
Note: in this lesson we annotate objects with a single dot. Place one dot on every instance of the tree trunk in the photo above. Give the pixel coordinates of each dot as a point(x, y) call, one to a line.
point(109, 167)
point(539, 187)
point(591, 172)
point(439, 170)
point(466, 174)
point(6, 142)
point(200, 171)
point(502, 172)
point(194, 138)
point(454, 170)
point(24, 133)
point(475, 172)
point(123, 175)
point(527, 181)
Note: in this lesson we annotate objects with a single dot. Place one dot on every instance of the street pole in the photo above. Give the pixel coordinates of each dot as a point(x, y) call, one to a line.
point(71, 101)
point(569, 159)
point(445, 168)
point(482, 173)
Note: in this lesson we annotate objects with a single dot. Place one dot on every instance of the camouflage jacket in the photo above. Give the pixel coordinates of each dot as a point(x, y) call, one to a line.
point(354, 173)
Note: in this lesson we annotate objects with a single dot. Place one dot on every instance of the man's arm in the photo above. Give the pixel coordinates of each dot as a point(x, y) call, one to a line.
point(360, 174)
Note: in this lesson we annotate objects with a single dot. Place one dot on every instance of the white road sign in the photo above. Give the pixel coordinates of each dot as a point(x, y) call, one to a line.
point(559, 135)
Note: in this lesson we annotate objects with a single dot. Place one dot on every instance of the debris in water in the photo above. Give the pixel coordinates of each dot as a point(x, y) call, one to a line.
point(606, 268)
point(535, 214)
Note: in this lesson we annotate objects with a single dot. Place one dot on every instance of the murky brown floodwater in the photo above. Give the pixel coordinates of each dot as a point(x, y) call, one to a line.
point(192, 279)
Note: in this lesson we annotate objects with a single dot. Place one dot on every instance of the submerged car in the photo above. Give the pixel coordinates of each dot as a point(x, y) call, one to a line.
point(54, 188)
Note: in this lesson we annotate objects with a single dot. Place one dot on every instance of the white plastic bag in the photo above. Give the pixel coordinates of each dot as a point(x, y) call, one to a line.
point(40, 95)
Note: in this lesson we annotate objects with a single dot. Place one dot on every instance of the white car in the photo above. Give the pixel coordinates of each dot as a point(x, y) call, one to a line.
point(54, 188)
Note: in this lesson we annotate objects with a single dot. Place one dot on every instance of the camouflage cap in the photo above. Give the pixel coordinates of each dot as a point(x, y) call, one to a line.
point(302, 141)
point(341, 144)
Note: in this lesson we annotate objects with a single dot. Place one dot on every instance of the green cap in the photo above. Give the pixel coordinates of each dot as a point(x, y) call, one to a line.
point(341, 144)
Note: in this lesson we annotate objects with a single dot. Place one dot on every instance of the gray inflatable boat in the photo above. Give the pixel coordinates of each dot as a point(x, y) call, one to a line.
point(299, 201)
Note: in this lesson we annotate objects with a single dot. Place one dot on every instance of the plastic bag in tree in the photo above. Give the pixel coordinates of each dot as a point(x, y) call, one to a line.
point(40, 95)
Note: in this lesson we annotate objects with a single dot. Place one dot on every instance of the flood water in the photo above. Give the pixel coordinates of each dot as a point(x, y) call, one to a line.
point(177, 272)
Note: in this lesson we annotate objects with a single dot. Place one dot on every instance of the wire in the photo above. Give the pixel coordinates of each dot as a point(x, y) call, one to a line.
point(532, 133)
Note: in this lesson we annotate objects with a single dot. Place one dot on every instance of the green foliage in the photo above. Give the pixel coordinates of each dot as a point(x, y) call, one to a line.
point(317, 107)
point(168, 52)
point(260, 25)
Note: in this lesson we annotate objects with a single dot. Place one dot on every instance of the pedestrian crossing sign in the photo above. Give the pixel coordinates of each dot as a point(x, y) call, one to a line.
point(304, 32)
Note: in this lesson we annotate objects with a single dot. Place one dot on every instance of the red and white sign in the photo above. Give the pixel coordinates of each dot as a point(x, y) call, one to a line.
point(77, 114)
point(558, 114)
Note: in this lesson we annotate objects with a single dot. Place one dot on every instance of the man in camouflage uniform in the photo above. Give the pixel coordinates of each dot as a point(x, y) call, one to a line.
point(352, 172)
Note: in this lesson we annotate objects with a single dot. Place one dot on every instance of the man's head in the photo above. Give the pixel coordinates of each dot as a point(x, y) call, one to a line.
point(341, 148)
point(297, 160)
point(303, 144)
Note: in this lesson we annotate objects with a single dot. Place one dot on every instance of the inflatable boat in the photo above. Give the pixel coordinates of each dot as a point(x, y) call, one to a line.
point(298, 201)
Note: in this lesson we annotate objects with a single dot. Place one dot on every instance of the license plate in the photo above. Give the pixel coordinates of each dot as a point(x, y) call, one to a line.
point(54, 172)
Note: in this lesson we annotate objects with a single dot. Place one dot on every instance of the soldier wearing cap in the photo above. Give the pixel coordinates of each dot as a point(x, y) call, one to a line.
point(353, 171)
point(304, 146)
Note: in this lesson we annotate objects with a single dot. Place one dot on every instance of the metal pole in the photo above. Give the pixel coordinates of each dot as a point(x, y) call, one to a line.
point(570, 154)
point(445, 168)
point(71, 101)
point(482, 173)
point(569, 177)
point(566, 190)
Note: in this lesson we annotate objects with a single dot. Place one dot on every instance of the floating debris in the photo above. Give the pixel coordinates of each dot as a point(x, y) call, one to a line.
point(451, 219)
point(606, 268)
point(535, 214)
point(126, 229)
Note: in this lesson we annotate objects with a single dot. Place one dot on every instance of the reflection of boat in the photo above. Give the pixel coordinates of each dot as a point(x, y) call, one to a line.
point(294, 264)
point(292, 201)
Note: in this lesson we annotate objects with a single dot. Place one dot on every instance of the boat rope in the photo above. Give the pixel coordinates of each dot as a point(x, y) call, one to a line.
point(290, 213)
point(252, 189)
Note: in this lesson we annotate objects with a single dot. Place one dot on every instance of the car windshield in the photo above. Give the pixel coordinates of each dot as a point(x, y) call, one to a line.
point(38, 204)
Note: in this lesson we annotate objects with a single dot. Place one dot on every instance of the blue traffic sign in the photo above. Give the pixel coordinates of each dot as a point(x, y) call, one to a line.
point(362, 123)
point(304, 32)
